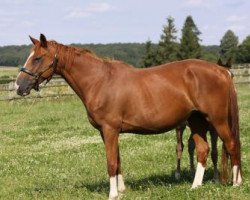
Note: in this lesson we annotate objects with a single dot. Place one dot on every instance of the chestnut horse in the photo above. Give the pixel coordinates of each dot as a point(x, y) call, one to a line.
point(120, 98)
point(191, 146)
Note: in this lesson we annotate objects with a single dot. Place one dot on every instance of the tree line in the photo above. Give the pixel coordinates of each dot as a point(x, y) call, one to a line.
point(169, 49)
point(147, 54)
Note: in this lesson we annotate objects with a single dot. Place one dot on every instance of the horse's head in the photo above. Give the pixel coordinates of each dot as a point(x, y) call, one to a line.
point(39, 66)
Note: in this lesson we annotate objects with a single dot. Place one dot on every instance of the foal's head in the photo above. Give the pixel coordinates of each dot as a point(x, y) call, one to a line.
point(39, 66)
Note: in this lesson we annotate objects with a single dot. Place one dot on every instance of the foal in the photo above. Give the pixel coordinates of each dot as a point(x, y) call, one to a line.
point(191, 146)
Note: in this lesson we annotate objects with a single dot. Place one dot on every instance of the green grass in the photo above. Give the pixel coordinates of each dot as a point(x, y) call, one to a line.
point(8, 72)
point(48, 150)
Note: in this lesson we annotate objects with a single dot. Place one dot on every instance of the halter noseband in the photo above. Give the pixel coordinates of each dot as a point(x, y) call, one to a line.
point(38, 75)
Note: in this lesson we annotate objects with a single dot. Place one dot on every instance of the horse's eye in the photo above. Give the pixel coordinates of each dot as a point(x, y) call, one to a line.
point(38, 58)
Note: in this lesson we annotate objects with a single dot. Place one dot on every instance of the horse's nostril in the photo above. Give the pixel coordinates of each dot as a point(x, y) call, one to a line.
point(19, 92)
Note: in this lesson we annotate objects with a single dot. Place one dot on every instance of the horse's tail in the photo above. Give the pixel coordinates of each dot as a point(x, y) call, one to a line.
point(234, 127)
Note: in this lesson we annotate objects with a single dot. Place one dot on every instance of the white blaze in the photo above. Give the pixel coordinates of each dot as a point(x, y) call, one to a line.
point(31, 54)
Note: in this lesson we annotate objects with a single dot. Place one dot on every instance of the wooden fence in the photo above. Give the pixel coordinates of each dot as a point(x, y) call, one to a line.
point(57, 87)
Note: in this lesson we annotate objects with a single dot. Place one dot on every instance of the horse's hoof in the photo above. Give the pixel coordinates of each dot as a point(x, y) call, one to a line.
point(236, 184)
point(113, 198)
point(177, 175)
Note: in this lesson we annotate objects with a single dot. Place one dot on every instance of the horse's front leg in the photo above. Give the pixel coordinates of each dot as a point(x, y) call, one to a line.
point(110, 137)
point(120, 182)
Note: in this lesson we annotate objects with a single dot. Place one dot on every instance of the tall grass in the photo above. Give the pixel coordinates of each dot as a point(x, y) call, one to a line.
point(48, 150)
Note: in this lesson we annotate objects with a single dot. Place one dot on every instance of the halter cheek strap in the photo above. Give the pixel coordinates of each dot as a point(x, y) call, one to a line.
point(38, 75)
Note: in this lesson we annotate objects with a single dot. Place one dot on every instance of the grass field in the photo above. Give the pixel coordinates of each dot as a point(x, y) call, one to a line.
point(8, 72)
point(48, 150)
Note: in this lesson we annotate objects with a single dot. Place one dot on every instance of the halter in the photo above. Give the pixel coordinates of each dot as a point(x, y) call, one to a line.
point(38, 75)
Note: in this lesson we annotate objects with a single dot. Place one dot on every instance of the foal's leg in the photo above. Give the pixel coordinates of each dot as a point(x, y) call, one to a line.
point(110, 138)
point(179, 149)
point(191, 147)
point(214, 152)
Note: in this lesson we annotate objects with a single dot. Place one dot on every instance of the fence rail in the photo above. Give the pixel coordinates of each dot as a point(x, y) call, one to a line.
point(57, 87)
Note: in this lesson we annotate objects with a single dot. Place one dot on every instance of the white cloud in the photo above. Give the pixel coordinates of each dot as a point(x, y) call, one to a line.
point(194, 3)
point(98, 7)
point(90, 10)
point(27, 24)
point(235, 18)
point(237, 28)
point(6, 22)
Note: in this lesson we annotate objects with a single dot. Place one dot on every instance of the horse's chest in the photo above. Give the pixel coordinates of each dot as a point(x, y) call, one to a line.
point(93, 122)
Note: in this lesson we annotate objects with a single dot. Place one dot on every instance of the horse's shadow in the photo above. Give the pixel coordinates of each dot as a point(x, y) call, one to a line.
point(144, 183)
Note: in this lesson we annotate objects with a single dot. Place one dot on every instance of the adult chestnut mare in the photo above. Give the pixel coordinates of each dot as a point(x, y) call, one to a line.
point(191, 146)
point(120, 98)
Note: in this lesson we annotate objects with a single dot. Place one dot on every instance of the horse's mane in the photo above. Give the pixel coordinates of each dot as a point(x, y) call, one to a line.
point(73, 50)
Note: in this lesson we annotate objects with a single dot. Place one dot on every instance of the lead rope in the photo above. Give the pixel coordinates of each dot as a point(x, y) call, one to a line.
point(22, 120)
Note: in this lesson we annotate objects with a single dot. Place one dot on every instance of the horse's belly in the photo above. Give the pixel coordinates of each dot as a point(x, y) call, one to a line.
point(155, 122)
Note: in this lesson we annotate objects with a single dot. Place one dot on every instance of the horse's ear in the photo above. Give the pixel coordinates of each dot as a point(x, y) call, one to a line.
point(229, 63)
point(33, 40)
point(219, 62)
point(43, 41)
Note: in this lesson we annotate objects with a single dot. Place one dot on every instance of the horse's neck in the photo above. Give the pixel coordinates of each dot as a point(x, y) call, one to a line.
point(85, 72)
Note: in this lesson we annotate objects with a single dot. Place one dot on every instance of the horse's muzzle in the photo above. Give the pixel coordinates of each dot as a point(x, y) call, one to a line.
point(25, 88)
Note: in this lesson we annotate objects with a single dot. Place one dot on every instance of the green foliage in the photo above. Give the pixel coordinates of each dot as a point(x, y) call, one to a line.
point(228, 46)
point(50, 151)
point(14, 55)
point(210, 53)
point(243, 54)
point(149, 57)
point(189, 46)
point(167, 47)
point(130, 53)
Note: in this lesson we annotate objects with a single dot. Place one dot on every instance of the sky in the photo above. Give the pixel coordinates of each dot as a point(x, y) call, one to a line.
point(111, 21)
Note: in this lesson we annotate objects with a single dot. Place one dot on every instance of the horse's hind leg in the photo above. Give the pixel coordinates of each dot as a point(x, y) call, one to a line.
point(198, 126)
point(214, 152)
point(230, 144)
point(179, 149)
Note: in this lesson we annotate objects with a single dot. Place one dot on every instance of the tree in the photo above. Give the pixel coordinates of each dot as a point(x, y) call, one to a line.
point(149, 57)
point(167, 47)
point(228, 46)
point(243, 54)
point(189, 46)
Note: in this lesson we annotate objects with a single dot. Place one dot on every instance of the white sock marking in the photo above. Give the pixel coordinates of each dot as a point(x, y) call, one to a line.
point(113, 194)
point(236, 180)
point(198, 175)
point(121, 185)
